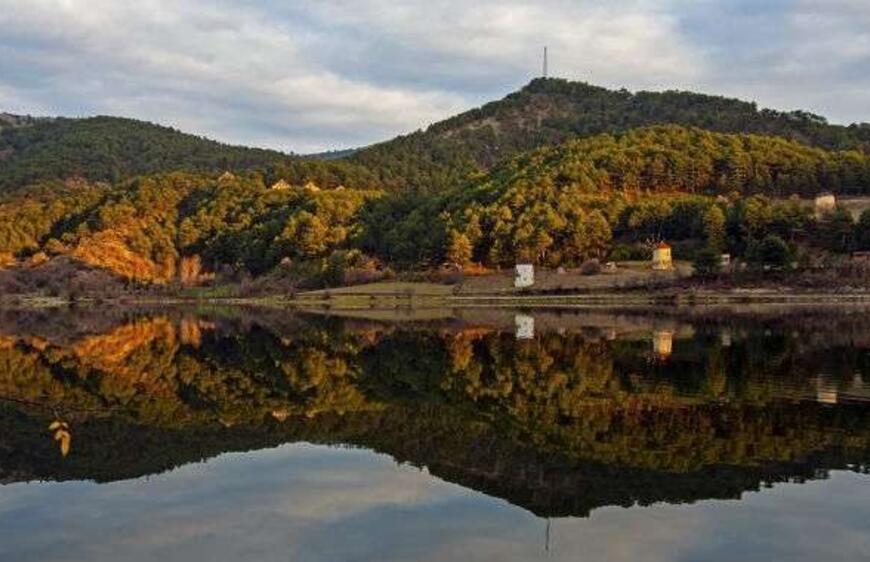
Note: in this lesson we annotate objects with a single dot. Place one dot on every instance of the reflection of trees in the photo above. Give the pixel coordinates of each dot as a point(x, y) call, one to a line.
point(477, 405)
point(571, 395)
point(142, 370)
point(61, 434)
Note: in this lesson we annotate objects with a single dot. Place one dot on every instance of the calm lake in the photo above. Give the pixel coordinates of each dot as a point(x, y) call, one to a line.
point(496, 434)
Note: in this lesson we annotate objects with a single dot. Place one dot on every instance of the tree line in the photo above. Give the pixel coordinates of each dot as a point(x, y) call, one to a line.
point(591, 198)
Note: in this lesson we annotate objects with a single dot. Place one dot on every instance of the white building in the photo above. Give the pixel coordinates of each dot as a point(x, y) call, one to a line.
point(524, 275)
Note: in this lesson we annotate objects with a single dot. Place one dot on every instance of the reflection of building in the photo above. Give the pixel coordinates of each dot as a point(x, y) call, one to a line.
point(525, 326)
point(826, 390)
point(661, 258)
point(525, 275)
point(281, 414)
point(663, 343)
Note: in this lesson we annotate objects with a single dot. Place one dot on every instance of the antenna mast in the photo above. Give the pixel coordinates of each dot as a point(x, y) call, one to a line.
point(545, 62)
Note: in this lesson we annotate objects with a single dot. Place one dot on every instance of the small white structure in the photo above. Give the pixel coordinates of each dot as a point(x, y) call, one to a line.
point(661, 258)
point(525, 326)
point(824, 203)
point(524, 275)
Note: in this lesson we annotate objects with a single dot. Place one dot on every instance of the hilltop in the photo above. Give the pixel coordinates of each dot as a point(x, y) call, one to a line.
point(9, 120)
point(110, 149)
point(550, 111)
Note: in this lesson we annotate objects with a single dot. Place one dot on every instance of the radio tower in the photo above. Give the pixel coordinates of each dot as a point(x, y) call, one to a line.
point(545, 62)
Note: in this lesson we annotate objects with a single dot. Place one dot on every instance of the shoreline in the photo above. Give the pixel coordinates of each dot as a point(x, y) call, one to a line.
point(349, 299)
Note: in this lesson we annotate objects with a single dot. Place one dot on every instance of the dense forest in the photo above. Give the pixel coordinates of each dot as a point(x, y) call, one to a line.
point(565, 204)
point(158, 228)
point(559, 173)
point(112, 149)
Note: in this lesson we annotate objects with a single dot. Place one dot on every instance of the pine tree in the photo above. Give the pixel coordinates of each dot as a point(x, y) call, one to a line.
point(458, 248)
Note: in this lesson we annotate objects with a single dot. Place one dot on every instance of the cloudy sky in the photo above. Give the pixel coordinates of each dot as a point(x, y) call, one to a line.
point(305, 76)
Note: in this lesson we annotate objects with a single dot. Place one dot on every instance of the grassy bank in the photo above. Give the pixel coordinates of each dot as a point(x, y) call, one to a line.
point(630, 284)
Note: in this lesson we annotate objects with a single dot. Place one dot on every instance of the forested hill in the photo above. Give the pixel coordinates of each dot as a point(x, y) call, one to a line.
point(550, 111)
point(545, 112)
point(563, 204)
point(111, 149)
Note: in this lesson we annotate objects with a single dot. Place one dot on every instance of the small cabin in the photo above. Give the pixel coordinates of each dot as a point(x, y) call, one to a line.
point(661, 258)
point(524, 275)
point(824, 203)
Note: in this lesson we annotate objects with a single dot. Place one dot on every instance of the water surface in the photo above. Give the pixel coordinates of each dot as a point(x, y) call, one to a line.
point(473, 435)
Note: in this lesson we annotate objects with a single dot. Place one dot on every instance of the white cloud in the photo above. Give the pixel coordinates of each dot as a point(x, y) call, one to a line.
point(786, 54)
point(311, 75)
point(308, 77)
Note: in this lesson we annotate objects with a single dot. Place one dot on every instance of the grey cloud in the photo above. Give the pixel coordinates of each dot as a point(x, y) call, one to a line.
point(314, 75)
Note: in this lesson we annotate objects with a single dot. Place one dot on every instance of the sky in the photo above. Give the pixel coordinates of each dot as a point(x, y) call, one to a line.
point(307, 76)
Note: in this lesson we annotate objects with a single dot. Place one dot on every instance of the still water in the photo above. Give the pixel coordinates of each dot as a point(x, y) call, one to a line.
point(168, 435)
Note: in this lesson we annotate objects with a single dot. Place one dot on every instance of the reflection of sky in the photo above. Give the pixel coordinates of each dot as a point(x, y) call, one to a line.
point(310, 503)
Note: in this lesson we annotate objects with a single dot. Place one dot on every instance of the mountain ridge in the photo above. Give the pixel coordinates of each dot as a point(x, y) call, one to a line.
point(552, 110)
point(546, 111)
point(105, 148)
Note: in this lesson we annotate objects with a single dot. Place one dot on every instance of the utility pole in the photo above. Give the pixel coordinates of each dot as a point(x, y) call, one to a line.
point(545, 62)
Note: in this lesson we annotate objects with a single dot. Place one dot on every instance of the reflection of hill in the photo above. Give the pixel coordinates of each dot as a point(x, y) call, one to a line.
point(473, 454)
point(571, 420)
